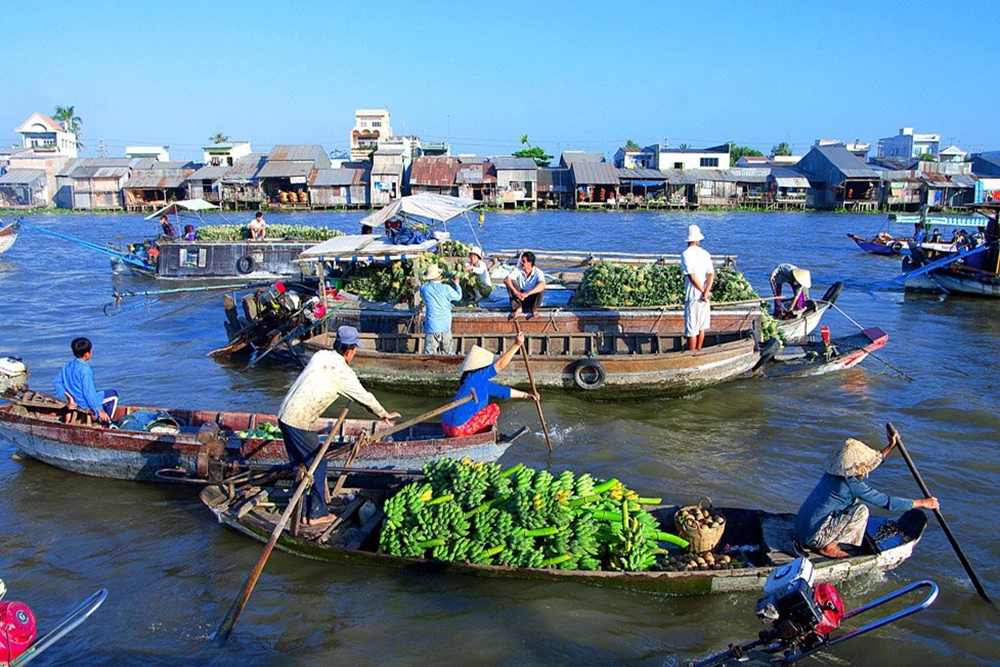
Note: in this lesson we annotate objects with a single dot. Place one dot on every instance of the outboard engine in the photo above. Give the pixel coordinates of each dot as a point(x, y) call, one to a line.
point(797, 611)
point(17, 630)
point(13, 376)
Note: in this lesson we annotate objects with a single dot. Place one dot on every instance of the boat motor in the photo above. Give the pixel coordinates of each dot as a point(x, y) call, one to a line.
point(13, 376)
point(211, 463)
point(270, 299)
point(17, 630)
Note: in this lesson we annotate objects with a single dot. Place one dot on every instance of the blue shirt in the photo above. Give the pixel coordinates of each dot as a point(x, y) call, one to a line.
point(77, 379)
point(835, 494)
point(480, 381)
point(438, 296)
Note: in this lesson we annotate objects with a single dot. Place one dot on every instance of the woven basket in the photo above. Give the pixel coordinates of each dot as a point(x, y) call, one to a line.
point(702, 538)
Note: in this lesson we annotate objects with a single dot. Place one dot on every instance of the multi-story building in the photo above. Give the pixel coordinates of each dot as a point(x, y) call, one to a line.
point(370, 127)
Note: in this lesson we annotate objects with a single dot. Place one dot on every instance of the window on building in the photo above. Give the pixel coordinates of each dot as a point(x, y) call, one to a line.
point(709, 162)
point(376, 123)
point(678, 165)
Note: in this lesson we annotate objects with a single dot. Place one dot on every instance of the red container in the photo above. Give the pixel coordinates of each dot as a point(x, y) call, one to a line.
point(17, 630)
point(824, 331)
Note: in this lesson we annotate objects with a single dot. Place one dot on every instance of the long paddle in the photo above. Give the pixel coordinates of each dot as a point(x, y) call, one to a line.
point(531, 379)
point(229, 622)
point(893, 435)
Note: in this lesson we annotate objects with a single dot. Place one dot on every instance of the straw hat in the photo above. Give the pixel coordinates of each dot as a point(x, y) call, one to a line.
point(802, 277)
point(477, 358)
point(477, 251)
point(854, 459)
point(433, 272)
point(694, 234)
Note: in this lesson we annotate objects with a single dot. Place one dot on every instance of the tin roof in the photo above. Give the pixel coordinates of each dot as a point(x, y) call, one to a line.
point(434, 171)
point(475, 173)
point(297, 153)
point(22, 176)
point(156, 179)
point(597, 173)
point(245, 169)
point(209, 173)
point(845, 161)
point(284, 169)
point(387, 169)
point(569, 158)
point(680, 176)
point(554, 179)
point(523, 163)
point(638, 174)
point(336, 177)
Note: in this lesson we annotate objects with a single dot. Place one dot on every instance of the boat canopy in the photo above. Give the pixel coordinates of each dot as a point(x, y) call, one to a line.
point(192, 205)
point(425, 207)
point(363, 248)
point(975, 220)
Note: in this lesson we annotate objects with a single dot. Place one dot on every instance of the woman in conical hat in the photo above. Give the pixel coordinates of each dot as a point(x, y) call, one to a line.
point(478, 370)
point(832, 514)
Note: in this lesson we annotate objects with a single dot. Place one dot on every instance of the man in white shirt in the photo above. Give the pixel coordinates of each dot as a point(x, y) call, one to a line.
point(526, 286)
point(696, 265)
point(327, 377)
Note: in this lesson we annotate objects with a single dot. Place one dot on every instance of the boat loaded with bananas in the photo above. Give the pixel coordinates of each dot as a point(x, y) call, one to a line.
point(478, 518)
point(165, 444)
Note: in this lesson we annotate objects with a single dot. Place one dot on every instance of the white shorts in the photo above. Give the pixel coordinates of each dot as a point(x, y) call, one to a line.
point(697, 317)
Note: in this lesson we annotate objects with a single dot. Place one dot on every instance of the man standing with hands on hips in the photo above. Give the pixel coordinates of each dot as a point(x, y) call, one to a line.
point(696, 265)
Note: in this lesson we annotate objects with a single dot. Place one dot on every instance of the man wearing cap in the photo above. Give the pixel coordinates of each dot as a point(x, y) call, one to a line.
point(832, 515)
point(326, 378)
point(699, 274)
point(478, 370)
point(438, 297)
point(477, 266)
point(526, 286)
point(799, 279)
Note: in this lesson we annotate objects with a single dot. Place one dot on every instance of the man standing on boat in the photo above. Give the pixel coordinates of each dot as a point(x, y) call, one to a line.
point(326, 378)
point(699, 274)
point(526, 286)
point(75, 384)
point(438, 297)
point(800, 281)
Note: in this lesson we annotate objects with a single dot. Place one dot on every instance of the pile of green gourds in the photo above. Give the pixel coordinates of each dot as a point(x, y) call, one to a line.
point(386, 282)
point(478, 513)
point(210, 233)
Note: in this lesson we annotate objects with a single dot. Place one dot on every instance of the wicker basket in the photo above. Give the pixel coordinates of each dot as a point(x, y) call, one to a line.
point(702, 538)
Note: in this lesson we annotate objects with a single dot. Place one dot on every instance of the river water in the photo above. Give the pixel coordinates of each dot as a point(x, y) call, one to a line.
point(172, 572)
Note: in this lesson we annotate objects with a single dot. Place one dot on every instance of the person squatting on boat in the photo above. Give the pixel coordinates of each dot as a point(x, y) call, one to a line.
point(696, 265)
point(835, 510)
point(327, 377)
point(75, 383)
point(257, 227)
point(526, 286)
point(478, 267)
point(478, 369)
point(438, 297)
point(800, 281)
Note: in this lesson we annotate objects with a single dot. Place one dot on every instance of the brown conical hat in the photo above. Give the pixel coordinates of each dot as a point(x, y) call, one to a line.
point(853, 459)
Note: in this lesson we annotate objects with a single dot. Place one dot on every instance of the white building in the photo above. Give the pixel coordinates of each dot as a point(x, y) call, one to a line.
point(908, 144)
point(158, 153)
point(371, 126)
point(225, 154)
point(45, 136)
point(716, 157)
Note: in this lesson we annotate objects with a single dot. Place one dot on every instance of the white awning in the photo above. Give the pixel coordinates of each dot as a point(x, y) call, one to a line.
point(363, 248)
point(424, 207)
point(195, 205)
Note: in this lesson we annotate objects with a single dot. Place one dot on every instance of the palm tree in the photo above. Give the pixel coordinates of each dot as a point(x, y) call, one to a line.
point(219, 138)
point(524, 141)
point(66, 116)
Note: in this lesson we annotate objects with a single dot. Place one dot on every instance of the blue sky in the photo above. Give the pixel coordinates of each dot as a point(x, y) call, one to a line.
point(571, 75)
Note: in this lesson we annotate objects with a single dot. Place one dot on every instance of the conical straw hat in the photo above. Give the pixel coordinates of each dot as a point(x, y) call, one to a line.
point(477, 358)
point(802, 277)
point(854, 459)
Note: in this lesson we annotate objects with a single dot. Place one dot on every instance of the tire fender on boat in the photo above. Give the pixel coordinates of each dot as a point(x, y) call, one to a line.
point(245, 264)
point(588, 374)
point(897, 247)
point(831, 294)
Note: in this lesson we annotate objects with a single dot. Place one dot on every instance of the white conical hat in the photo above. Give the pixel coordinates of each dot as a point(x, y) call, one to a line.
point(854, 459)
point(802, 277)
point(478, 357)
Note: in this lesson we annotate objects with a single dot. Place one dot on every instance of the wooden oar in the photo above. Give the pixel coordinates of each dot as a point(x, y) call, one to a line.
point(893, 435)
point(365, 438)
point(229, 622)
point(531, 380)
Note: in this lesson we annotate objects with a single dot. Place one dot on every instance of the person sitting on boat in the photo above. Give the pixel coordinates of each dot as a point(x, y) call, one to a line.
point(189, 233)
point(799, 279)
point(327, 377)
point(257, 227)
point(152, 255)
point(168, 228)
point(438, 297)
point(936, 236)
point(526, 286)
point(478, 369)
point(75, 383)
point(832, 513)
point(478, 267)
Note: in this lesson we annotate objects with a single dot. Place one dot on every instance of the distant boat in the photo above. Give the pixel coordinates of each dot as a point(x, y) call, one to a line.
point(882, 243)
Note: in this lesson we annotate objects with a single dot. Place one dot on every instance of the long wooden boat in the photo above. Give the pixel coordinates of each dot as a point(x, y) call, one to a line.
point(207, 443)
point(882, 244)
point(816, 357)
point(765, 540)
point(8, 234)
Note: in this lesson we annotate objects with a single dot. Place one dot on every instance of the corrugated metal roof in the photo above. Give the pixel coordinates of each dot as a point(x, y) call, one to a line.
point(680, 176)
point(788, 178)
point(245, 169)
point(156, 179)
point(298, 153)
point(848, 163)
point(209, 173)
point(336, 177)
point(22, 176)
point(524, 163)
point(963, 180)
point(596, 173)
point(640, 174)
point(434, 171)
point(748, 174)
point(284, 169)
point(387, 170)
point(554, 179)
point(473, 173)
point(85, 167)
point(569, 158)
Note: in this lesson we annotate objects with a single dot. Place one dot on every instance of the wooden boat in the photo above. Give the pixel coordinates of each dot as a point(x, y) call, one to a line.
point(8, 234)
point(882, 243)
point(797, 328)
point(818, 357)
point(207, 443)
point(764, 539)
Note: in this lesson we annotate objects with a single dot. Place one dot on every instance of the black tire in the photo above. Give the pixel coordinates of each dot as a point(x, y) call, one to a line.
point(588, 374)
point(896, 247)
point(245, 264)
point(833, 292)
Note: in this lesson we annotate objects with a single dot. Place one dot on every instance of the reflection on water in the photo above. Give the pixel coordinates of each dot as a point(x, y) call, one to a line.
point(172, 572)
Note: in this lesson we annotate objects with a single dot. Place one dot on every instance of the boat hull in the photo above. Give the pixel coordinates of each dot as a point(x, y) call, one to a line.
point(8, 235)
point(986, 284)
point(181, 260)
point(896, 246)
point(812, 358)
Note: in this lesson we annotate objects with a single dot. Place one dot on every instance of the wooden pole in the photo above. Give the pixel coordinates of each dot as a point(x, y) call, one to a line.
point(229, 622)
point(531, 380)
point(893, 435)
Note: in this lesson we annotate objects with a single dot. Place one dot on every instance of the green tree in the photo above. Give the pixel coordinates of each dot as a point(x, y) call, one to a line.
point(781, 149)
point(219, 138)
point(736, 152)
point(541, 158)
point(66, 116)
point(631, 144)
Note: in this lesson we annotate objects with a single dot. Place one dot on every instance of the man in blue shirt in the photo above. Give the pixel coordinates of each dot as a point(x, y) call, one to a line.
point(75, 383)
point(438, 297)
